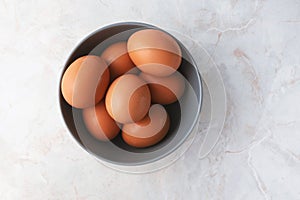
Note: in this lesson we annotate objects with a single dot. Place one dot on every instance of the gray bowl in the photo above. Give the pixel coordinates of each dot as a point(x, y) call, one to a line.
point(183, 114)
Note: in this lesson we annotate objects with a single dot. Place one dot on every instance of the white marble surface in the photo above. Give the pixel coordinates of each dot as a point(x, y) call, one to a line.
point(256, 47)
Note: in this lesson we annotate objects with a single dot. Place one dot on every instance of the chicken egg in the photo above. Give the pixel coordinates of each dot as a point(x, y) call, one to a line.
point(85, 81)
point(118, 60)
point(128, 99)
point(165, 90)
point(150, 130)
point(99, 123)
point(154, 52)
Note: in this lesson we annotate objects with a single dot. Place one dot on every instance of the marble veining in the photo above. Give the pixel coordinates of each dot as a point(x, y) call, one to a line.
point(255, 44)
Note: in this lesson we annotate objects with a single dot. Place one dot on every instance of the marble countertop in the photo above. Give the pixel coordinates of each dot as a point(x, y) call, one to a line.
point(255, 44)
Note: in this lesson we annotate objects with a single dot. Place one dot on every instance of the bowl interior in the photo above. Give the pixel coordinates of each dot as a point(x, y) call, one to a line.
point(183, 114)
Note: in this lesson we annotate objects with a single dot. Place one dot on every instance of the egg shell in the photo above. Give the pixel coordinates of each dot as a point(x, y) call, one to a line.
point(118, 60)
point(128, 99)
point(165, 90)
point(85, 81)
point(154, 52)
point(99, 123)
point(150, 130)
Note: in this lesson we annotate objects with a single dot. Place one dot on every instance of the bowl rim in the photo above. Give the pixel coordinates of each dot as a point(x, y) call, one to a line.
point(200, 96)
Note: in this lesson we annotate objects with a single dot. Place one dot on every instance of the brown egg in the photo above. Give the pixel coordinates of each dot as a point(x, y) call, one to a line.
point(85, 81)
point(150, 130)
point(154, 52)
point(118, 60)
point(165, 90)
point(128, 99)
point(99, 123)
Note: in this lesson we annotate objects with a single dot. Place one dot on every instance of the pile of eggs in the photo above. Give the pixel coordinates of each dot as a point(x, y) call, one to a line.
point(126, 87)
